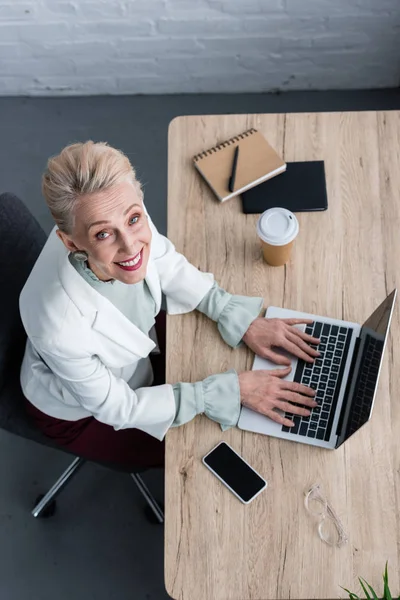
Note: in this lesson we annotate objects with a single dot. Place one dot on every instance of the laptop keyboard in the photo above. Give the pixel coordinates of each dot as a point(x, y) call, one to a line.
point(325, 376)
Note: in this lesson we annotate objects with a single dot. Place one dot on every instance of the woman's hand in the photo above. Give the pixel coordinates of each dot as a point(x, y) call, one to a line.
point(265, 334)
point(264, 391)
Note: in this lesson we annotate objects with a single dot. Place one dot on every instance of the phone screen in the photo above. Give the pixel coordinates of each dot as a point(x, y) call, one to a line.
point(234, 471)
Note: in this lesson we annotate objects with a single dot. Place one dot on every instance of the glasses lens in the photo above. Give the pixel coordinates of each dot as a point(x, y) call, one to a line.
point(316, 505)
point(329, 532)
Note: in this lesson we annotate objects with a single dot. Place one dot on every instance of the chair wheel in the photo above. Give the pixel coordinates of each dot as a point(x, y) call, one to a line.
point(50, 509)
point(150, 516)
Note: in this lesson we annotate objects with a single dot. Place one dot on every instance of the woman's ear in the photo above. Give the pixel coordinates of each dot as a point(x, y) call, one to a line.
point(66, 240)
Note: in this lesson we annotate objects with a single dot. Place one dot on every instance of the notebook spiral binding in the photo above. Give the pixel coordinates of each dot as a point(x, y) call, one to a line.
point(232, 140)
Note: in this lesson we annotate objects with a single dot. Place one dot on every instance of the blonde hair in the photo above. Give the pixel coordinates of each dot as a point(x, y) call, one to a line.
point(79, 170)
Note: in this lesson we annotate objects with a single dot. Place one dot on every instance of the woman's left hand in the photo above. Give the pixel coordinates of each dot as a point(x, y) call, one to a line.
point(264, 335)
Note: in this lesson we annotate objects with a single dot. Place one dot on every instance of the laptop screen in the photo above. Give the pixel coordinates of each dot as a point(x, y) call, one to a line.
point(365, 370)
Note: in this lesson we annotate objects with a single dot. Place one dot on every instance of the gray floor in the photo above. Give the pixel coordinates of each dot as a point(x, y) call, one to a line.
point(98, 545)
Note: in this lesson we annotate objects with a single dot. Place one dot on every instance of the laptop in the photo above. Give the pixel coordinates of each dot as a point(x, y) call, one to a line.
point(345, 378)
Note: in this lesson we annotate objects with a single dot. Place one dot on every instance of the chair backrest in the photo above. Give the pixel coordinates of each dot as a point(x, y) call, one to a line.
point(21, 241)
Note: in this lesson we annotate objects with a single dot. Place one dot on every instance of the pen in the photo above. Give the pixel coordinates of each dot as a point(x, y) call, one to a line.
point(231, 184)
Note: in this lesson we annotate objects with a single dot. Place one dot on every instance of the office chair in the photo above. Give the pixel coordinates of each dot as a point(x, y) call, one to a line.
point(21, 241)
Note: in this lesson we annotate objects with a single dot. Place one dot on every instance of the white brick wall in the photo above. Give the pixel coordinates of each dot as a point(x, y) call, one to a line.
point(74, 47)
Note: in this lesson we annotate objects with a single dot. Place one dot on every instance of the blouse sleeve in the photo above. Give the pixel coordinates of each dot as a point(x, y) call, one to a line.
point(233, 314)
point(217, 396)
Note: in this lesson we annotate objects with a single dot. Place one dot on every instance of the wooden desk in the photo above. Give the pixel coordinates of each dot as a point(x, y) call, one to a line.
point(344, 263)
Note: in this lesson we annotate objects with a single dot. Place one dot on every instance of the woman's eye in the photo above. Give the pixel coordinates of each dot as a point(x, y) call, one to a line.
point(133, 220)
point(102, 235)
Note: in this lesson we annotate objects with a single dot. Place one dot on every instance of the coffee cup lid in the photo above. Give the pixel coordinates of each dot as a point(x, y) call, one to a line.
point(277, 226)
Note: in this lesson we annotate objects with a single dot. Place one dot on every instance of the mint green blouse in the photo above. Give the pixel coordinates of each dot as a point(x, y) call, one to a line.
point(217, 396)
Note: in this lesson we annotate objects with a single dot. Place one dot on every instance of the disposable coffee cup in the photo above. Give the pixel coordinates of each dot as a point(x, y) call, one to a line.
point(277, 229)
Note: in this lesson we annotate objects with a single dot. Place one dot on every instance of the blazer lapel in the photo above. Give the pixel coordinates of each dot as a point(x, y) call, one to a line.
point(123, 340)
point(153, 281)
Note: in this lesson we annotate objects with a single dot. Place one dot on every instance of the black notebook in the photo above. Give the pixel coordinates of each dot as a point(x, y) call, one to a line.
point(301, 188)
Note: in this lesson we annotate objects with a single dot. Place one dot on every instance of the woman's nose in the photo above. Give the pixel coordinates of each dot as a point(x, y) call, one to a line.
point(127, 245)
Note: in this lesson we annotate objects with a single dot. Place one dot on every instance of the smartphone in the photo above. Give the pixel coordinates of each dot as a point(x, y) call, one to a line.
point(234, 472)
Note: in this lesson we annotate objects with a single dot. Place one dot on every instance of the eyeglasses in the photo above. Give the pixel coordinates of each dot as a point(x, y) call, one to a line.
point(330, 528)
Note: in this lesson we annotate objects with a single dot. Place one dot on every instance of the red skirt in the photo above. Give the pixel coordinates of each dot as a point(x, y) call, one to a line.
point(126, 449)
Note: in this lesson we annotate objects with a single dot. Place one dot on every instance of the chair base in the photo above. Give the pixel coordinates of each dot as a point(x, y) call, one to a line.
point(53, 492)
point(151, 502)
point(45, 506)
point(49, 510)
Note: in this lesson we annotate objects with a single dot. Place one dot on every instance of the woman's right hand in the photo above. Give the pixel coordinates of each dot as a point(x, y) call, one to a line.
point(264, 391)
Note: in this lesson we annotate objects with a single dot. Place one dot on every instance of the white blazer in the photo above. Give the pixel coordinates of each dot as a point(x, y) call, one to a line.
point(83, 357)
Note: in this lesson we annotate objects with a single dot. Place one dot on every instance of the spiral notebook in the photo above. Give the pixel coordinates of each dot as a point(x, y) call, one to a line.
point(257, 161)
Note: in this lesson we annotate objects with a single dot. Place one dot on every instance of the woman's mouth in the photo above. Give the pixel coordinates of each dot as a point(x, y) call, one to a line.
point(133, 264)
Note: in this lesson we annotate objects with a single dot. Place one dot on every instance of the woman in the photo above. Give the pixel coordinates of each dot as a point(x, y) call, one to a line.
point(89, 309)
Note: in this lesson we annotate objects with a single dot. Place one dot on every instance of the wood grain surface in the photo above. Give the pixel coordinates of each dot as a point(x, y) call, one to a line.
point(345, 262)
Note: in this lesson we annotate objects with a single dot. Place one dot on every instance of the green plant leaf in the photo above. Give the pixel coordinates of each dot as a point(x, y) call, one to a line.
point(351, 595)
point(374, 596)
point(386, 590)
point(368, 597)
point(364, 584)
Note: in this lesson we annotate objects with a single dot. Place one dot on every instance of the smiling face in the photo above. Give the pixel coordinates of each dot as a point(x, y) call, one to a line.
point(112, 228)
